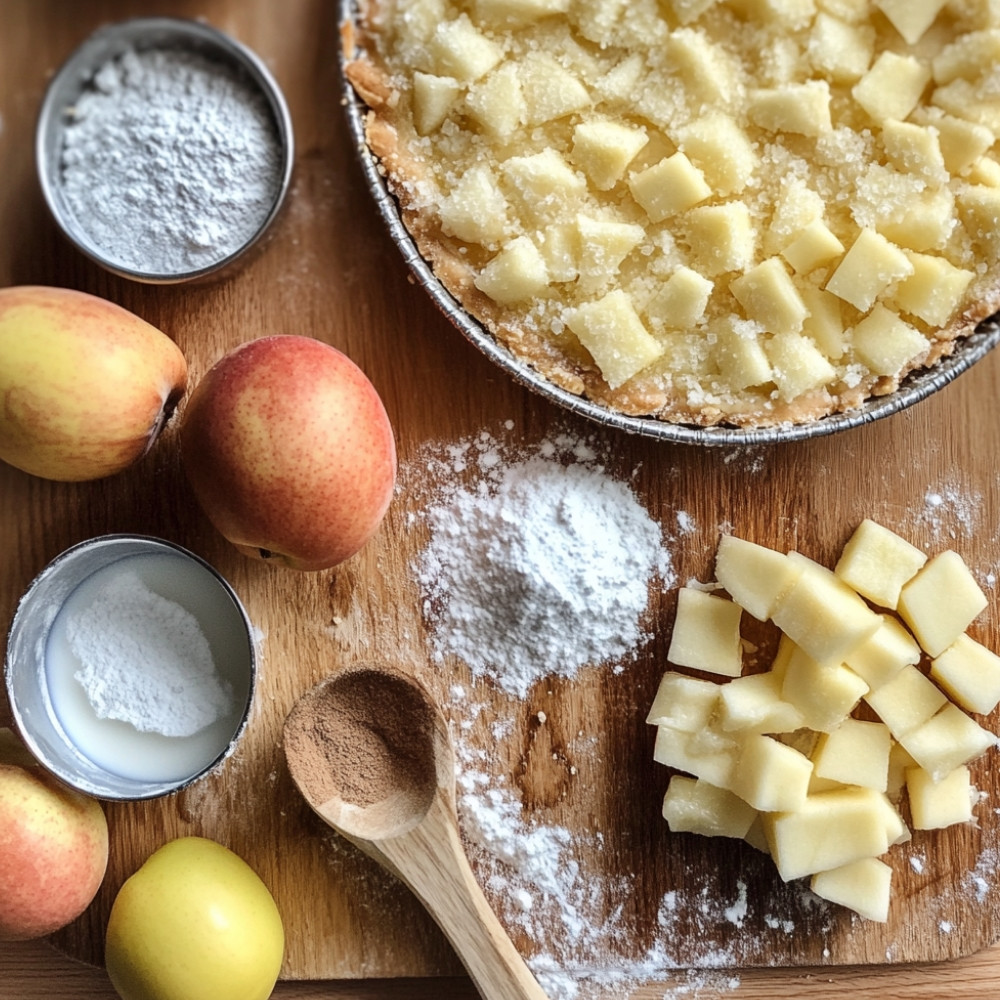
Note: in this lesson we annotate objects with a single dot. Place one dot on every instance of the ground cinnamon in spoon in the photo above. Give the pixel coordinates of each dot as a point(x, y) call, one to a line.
point(366, 736)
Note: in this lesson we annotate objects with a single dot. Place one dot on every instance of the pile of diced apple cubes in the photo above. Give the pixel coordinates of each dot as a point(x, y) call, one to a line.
point(781, 758)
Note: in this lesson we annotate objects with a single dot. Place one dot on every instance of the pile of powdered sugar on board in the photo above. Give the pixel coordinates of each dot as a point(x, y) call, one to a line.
point(539, 567)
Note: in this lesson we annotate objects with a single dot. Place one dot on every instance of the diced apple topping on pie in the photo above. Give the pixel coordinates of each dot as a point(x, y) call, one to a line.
point(810, 759)
point(743, 211)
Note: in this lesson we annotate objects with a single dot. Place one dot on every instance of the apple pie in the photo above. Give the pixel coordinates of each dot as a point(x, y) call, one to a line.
point(746, 212)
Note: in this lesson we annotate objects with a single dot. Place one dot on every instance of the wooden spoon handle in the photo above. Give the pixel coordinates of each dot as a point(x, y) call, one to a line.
point(430, 859)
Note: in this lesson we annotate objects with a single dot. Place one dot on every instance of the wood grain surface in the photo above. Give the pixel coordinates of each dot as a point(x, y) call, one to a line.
point(330, 271)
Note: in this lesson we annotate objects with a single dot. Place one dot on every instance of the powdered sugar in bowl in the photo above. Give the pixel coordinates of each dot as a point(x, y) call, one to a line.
point(164, 149)
point(130, 667)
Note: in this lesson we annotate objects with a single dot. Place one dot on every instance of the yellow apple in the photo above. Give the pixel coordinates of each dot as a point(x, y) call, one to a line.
point(53, 847)
point(86, 385)
point(195, 922)
point(290, 452)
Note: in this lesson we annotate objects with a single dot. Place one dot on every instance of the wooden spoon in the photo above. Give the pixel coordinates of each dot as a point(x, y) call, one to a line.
point(370, 752)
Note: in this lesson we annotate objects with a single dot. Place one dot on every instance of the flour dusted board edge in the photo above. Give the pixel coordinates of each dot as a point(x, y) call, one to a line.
point(344, 918)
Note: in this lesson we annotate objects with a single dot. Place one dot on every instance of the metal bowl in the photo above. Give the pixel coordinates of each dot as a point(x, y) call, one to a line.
point(917, 386)
point(76, 75)
point(42, 700)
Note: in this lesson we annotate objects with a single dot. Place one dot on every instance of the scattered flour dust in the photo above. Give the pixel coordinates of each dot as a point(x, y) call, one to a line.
point(541, 566)
point(536, 877)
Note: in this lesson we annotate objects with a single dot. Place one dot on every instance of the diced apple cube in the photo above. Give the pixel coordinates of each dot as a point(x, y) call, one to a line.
point(797, 365)
point(671, 186)
point(801, 108)
point(603, 245)
point(475, 210)
point(824, 617)
point(721, 237)
point(517, 13)
point(911, 18)
point(771, 776)
point(814, 245)
point(968, 57)
point(855, 753)
point(756, 837)
point(877, 562)
point(867, 269)
point(433, 99)
point(753, 704)
point(496, 102)
point(824, 695)
point(899, 763)
point(893, 86)
point(604, 149)
point(705, 68)
point(927, 223)
point(979, 210)
point(544, 183)
point(683, 702)
point(825, 322)
point(550, 90)
point(620, 83)
point(710, 758)
point(935, 805)
point(947, 740)
point(885, 343)
point(840, 51)
point(935, 291)
point(596, 18)
point(797, 204)
point(915, 149)
point(986, 172)
point(970, 674)
point(906, 702)
point(769, 297)
point(739, 353)
point(721, 150)
point(516, 273)
point(706, 634)
point(862, 886)
point(558, 245)
point(896, 830)
point(782, 657)
point(611, 330)
point(829, 830)
point(681, 301)
point(879, 658)
point(458, 49)
point(423, 18)
point(941, 601)
point(754, 576)
point(962, 142)
point(692, 805)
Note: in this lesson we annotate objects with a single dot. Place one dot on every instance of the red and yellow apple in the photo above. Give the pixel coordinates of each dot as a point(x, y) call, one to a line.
point(53, 847)
point(290, 452)
point(195, 922)
point(86, 385)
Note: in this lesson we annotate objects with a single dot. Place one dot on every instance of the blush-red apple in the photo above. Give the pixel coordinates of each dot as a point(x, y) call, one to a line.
point(85, 385)
point(53, 847)
point(290, 452)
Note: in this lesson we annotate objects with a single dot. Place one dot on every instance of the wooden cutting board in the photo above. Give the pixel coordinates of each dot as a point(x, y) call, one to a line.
point(584, 763)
